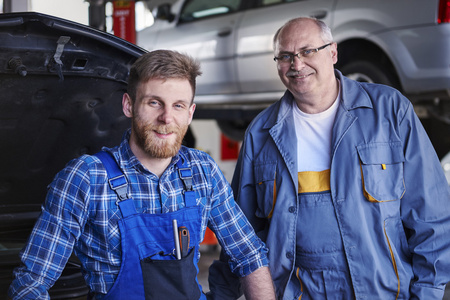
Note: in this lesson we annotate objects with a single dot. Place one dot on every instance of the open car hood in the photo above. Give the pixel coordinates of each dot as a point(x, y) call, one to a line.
point(61, 87)
point(60, 97)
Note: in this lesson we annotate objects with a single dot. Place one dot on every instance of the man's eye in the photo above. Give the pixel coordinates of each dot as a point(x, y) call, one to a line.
point(285, 57)
point(307, 52)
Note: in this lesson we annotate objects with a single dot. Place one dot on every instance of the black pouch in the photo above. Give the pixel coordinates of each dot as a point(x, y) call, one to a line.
point(170, 279)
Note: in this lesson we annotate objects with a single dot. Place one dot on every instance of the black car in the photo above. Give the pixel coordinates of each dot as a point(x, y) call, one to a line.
point(61, 87)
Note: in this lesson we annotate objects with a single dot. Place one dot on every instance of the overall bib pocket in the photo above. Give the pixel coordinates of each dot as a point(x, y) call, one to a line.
point(170, 279)
point(318, 234)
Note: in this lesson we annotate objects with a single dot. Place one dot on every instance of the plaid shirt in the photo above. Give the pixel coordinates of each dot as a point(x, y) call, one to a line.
point(80, 214)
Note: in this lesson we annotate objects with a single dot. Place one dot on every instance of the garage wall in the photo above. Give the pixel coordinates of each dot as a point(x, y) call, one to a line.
point(208, 139)
point(74, 10)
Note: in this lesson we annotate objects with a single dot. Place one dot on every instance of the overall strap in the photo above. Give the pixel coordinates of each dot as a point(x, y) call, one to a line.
point(117, 182)
point(185, 173)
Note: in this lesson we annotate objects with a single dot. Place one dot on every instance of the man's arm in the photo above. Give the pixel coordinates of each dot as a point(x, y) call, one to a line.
point(425, 211)
point(51, 241)
point(258, 285)
point(243, 253)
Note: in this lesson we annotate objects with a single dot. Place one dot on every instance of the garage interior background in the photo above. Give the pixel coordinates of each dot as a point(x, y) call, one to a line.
point(206, 132)
point(208, 136)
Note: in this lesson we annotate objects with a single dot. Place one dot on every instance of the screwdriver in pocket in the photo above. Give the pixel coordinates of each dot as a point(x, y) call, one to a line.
point(184, 236)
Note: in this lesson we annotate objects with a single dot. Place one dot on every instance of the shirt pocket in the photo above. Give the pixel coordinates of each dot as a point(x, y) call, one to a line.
point(265, 174)
point(382, 171)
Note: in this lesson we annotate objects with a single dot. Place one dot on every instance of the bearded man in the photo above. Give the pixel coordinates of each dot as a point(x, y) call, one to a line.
point(140, 239)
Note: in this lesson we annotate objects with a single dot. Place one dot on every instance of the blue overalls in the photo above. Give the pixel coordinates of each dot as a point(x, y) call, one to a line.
point(149, 267)
point(321, 268)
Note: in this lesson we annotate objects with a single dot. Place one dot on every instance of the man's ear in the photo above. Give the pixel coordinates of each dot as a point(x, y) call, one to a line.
point(191, 112)
point(334, 52)
point(127, 105)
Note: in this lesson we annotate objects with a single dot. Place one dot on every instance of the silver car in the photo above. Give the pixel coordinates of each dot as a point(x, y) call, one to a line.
point(402, 43)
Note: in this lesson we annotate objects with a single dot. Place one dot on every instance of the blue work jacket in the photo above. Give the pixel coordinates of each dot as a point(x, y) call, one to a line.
point(389, 194)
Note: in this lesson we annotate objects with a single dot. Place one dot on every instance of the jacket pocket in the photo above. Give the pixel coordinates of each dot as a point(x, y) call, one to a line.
point(382, 171)
point(265, 174)
point(400, 257)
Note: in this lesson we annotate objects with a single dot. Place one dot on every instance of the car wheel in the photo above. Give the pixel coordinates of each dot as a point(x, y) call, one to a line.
point(366, 71)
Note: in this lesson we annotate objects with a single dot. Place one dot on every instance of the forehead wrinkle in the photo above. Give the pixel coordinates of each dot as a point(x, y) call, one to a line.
point(296, 45)
point(306, 47)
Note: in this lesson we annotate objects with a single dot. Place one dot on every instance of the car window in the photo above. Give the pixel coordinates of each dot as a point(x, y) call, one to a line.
point(270, 2)
point(199, 9)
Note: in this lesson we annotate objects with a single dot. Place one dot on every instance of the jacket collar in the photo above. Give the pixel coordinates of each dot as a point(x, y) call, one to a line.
point(353, 94)
point(281, 110)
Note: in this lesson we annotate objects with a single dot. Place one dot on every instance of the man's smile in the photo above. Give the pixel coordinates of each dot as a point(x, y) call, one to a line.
point(163, 134)
point(297, 75)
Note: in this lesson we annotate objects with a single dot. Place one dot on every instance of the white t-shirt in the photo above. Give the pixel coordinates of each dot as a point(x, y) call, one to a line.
point(314, 138)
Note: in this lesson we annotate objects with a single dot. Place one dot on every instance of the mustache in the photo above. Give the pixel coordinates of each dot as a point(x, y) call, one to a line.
point(164, 129)
point(296, 73)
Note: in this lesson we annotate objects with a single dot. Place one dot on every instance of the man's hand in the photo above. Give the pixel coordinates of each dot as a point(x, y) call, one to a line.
point(258, 285)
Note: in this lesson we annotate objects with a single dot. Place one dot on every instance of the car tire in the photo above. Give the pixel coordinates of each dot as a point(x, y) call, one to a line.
point(366, 71)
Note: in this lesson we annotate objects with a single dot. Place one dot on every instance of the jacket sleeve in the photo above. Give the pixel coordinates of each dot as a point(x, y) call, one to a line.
point(243, 185)
point(425, 211)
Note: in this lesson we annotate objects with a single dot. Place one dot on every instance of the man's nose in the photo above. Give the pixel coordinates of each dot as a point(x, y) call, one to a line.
point(297, 62)
point(166, 115)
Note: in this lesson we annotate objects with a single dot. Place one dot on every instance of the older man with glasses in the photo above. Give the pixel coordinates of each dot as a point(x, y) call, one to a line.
point(341, 181)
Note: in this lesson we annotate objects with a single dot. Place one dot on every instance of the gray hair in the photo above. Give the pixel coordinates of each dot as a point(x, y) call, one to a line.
point(325, 31)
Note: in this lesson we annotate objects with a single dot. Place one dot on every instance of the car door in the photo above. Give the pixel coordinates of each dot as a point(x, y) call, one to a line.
point(205, 30)
point(255, 65)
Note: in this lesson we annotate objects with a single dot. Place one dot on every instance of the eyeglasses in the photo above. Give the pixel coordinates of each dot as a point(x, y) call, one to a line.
point(307, 53)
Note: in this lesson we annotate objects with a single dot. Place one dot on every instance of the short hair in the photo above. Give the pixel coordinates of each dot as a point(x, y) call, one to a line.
point(162, 64)
point(325, 31)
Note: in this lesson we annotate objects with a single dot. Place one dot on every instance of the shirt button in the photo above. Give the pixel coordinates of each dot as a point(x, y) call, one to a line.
point(289, 255)
point(292, 209)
